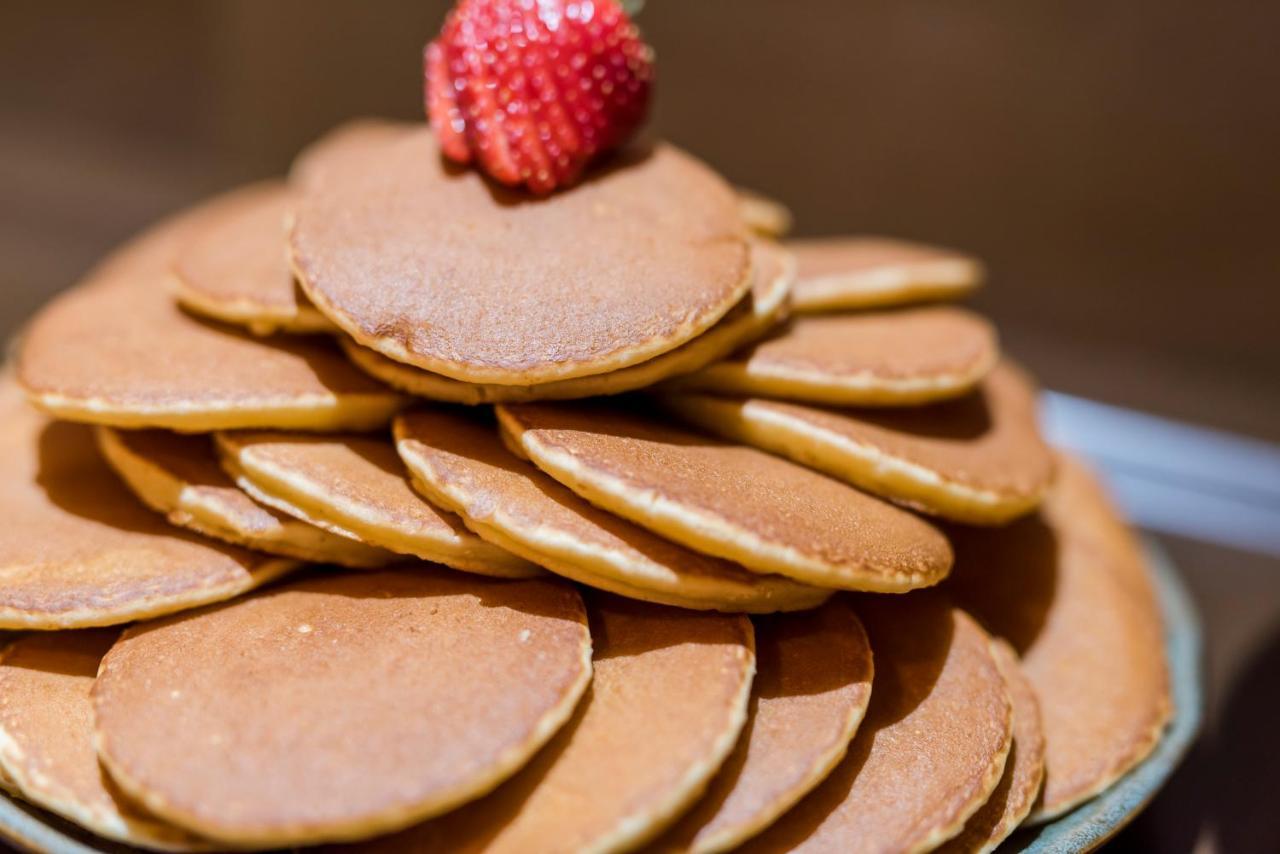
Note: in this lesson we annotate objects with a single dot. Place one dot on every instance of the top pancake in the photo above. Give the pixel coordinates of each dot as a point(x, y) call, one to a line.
point(838, 273)
point(932, 746)
point(237, 270)
point(435, 267)
point(1069, 589)
point(891, 358)
point(728, 500)
point(118, 351)
point(77, 549)
point(348, 143)
point(341, 706)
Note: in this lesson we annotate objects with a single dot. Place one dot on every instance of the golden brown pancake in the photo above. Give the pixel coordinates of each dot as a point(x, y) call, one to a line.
point(356, 487)
point(889, 358)
point(813, 681)
point(763, 215)
point(179, 476)
point(342, 706)
point(77, 549)
point(1069, 589)
point(763, 308)
point(667, 701)
point(931, 749)
point(438, 268)
point(979, 459)
point(460, 464)
point(838, 273)
point(348, 143)
point(728, 500)
point(46, 738)
point(236, 269)
point(117, 351)
point(1013, 798)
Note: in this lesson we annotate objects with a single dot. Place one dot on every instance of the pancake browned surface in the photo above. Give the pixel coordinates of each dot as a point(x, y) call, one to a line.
point(728, 500)
point(342, 706)
point(179, 476)
point(77, 549)
point(1070, 590)
point(46, 738)
point(883, 358)
point(979, 459)
point(1012, 800)
point(773, 273)
point(356, 487)
point(118, 351)
point(931, 749)
point(347, 143)
point(865, 272)
point(459, 462)
point(438, 268)
point(667, 701)
point(813, 681)
point(237, 269)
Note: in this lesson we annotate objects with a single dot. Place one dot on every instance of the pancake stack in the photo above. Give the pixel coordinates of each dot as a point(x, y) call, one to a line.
point(381, 507)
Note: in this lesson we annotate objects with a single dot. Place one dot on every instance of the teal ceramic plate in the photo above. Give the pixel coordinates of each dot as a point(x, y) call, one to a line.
point(1086, 828)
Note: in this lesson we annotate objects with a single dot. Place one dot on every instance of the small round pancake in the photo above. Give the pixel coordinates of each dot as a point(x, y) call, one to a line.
point(435, 267)
point(890, 358)
point(667, 702)
point(1012, 800)
point(1069, 589)
point(460, 463)
point(355, 486)
point(236, 270)
point(931, 749)
point(760, 311)
point(77, 549)
point(46, 738)
point(979, 459)
point(179, 476)
point(765, 216)
point(348, 143)
point(342, 706)
point(118, 351)
point(813, 681)
point(727, 500)
point(840, 273)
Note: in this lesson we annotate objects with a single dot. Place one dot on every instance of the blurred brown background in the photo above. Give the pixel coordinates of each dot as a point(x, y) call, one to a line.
point(1116, 165)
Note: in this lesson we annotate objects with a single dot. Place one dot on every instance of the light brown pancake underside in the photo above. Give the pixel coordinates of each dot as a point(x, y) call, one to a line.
point(931, 748)
point(640, 258)
point(77, 549)
point(667, 701)
point(840, 273)
point(1070, 590)
point(341, 706)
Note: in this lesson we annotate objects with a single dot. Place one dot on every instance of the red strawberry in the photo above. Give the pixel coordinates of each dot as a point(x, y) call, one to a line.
point(534, 90)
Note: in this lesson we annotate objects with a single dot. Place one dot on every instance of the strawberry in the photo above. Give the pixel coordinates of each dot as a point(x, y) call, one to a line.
point(535, 90)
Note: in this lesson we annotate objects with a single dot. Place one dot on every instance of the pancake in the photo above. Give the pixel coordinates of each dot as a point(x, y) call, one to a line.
point(1013, 798)
point(117, 351)
point(763, 307)
point(891, 358)
point(979, 459)
point(356, 487)
point(347, 143)
point(635, 261)
point(179, 476)
point(727, 500)
point(840, 273)
point(1070, 590)
point(236, 269)
point(342, 706)
point(931, 749)
point(77, 549)
point(813, 681)
point(763, 215)
point(46, 738)
point(667, 701)
point(459, 463)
